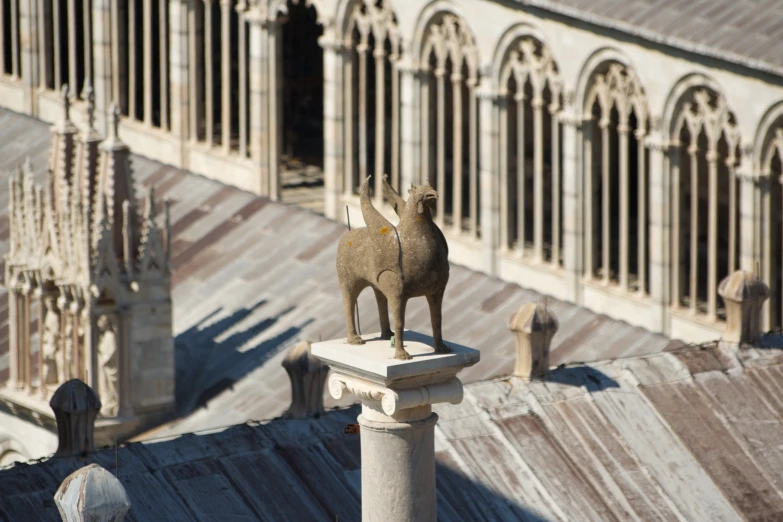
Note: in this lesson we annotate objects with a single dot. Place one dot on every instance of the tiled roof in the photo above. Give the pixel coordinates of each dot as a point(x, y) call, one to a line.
point(252, 277)
point(687, 435)
point(748, 32)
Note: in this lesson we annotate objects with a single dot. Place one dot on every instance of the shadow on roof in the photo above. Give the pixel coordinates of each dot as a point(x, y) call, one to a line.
point(590, 378)
point(209, 362)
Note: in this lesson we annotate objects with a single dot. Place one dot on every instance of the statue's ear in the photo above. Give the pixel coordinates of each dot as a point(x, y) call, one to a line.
point(427, 183)
point(410, 189)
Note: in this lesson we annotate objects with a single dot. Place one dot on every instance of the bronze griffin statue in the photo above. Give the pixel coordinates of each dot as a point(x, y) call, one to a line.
point(409, 260)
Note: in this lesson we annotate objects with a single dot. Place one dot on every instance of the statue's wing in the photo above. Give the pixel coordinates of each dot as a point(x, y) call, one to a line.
point(392, 197)
point(384, 237)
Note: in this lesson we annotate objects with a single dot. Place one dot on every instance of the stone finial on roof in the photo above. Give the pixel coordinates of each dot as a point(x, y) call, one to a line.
point(75, 407)
point(92, 494)
point(744, 294)
point(533, 326)
point(308, 375)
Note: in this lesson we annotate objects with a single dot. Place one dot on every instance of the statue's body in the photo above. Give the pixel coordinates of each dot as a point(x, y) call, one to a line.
point(410, 260)
point(50, 342)
point(108, 373)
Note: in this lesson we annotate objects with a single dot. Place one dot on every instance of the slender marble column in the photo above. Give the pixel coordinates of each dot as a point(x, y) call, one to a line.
point(15, 39)
point(440, 75)
point(712, 234)
point(732, 179)
point(362, 50)
point(641, 212)
point(504, 221)
point(87, 21)
point(56, 54)
point(490, 213)
point(179, 64)
point(350, 124)
point(408, 122)
point(44, 18)
point(117, 39)
point(242, 77)
point(605, 193)
point(660, 207)
point(209, 73)
point(133, 57)
point(73, 48)
point(473, 156)
point(259, 99)
point(538, 176)
point(426, 126)
point(30, 55)
point(196, 61)
point(572, 188)
point(395, 121)
point(147, 59)
point(164, 67)
point(333, 123)
point(555, 183)
point(624, 243)
point(589, 170)
point(456, 152)
point(749, 216)
point(380, 118)
point(2, 43)
point(225, 66)
point(519, 98)
point(675, 160)
point(275, 93)
point(27, 359)
point(694, 211)
point(105, 69)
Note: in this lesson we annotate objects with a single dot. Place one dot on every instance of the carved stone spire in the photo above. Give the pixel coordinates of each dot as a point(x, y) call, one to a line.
point(61, 164)
point(87, 160)
point(116, 183)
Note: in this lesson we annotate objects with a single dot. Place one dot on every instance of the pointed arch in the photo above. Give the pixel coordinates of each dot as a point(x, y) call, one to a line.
point(530, 96)
point(704, 158)
point(448, 59)
point(616, 202)
point(769, 157)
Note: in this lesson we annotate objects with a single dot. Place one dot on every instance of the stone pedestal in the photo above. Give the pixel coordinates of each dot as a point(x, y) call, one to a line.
point(397, 422)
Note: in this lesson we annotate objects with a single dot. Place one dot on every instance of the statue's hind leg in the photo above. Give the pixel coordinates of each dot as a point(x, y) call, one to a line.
point(350, 295)
point(436, 303)
point(383, 314)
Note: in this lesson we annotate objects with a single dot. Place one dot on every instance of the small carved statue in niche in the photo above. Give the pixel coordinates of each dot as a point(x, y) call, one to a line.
point(108, 384)
point(50, 342)
point(409, 260)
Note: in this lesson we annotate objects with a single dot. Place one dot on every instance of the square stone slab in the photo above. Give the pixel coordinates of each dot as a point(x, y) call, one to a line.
point(374, 360)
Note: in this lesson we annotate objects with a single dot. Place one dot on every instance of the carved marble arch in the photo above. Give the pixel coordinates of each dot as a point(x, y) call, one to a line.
point(705, 214)
point(771, 188)
point(530, 97)
point(449, 121)
point(372, 95)
point(616, 208)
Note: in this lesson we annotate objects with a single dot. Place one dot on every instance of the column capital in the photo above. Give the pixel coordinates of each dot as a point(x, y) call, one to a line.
point(570, 118)
point(657, 143)
point(486, 92)
point(333, 44)
point(391, 387)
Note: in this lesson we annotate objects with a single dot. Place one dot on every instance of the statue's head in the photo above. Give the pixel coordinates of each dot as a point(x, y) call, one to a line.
point(104, 323)
point(423, 196)
point(50, 302)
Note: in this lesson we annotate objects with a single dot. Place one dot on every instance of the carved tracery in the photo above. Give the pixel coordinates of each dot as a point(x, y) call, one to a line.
point(449, 65)
point(705, 221)
point(616, 213)
point(530, 100)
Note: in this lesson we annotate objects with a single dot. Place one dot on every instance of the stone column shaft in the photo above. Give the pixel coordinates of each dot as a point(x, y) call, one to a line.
point(30, 54)
point(73, 48)
point(243, 103)
point(749, 216)
point(456, 161)
point(13, 339)
point(105, 69)
point(179, 65)
point(380, 119)
point(660, 208)
point(538, 173)
point(333, 125)
point(275, 112)
point(624, 244)
point(209, 73)
point(473, 156)
point(605, 194)
point(409, 124)
point(712, 235)
point(164, 35)
point(225, 65)
point(572, 190)
point(521, 195)
point(441, 146)
point(490, 212)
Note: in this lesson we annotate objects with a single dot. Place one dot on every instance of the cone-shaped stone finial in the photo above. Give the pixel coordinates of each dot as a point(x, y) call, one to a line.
point(75, 407)
point(744, 294)
point(533, 327)
point(92, 494)
point(308, 375)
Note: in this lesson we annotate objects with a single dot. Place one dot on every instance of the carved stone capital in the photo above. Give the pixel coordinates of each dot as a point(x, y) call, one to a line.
point(392, 401)
point(570, 118)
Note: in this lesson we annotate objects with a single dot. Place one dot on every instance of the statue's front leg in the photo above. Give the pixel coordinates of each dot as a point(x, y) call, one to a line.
point(349, 304)
point(436, 305)
point(397, 304)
